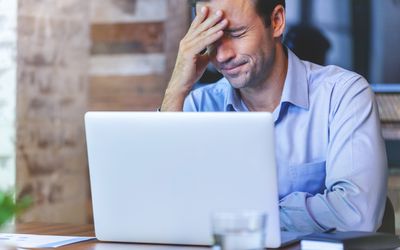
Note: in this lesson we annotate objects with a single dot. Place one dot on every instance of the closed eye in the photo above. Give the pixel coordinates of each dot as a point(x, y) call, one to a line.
point(237, 35)
point(236, 32)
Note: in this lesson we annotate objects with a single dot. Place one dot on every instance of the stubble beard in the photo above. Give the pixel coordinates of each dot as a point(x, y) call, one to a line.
point(254, 77)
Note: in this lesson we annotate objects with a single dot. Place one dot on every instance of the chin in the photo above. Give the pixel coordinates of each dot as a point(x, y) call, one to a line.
point(237, 82)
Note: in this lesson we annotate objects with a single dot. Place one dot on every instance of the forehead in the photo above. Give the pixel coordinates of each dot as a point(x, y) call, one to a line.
point(238, 12)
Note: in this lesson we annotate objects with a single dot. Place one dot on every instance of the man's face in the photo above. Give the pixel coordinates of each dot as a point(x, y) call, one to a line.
point(246, 52)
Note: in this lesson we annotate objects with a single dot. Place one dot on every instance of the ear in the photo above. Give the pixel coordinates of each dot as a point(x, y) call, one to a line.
point(278, 21)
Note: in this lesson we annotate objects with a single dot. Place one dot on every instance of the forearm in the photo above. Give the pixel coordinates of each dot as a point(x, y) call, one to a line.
point(191, 63)
point(356, 169)
point(347, 207)
point(355, 190)
point(173, 100)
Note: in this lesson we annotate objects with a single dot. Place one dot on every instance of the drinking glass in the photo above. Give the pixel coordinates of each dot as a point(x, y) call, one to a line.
point(239, 230)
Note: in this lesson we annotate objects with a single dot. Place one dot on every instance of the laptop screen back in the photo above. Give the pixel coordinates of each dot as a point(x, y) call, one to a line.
point(157, 177)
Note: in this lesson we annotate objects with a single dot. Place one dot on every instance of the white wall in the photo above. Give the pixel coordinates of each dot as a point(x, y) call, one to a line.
point(8, 46)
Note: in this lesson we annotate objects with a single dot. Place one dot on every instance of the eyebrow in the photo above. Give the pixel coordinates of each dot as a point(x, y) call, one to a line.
point(234, 30)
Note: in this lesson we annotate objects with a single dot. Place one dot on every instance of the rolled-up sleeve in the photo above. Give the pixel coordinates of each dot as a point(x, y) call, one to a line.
point(356, 168)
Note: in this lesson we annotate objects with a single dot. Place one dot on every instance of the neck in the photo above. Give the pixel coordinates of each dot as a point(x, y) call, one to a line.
point(266, 96)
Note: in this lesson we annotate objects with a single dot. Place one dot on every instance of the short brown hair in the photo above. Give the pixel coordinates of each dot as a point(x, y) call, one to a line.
point(264, 8)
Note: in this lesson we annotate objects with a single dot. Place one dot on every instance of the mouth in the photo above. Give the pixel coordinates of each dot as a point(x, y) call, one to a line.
point(232, 70)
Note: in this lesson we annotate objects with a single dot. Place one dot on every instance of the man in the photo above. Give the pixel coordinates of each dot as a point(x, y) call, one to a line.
point(329, 149)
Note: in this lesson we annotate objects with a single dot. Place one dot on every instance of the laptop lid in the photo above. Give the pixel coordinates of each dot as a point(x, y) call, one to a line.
point(157, 177)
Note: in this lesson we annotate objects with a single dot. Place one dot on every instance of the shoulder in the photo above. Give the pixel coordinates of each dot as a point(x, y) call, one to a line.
point(337, 83)
point(340, 89)
point(334, 77)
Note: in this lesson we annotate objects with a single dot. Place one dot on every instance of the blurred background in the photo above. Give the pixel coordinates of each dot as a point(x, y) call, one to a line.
point(61, 58)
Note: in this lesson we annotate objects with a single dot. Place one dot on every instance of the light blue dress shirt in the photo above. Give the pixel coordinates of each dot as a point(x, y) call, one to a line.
point(331, 158)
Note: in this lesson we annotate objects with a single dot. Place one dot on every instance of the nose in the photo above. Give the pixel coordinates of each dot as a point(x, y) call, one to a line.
point(224, 50)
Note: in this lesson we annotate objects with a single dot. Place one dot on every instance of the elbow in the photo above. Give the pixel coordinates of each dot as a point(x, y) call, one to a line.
point(366, 218)
point(353, 210)
point(366, 225)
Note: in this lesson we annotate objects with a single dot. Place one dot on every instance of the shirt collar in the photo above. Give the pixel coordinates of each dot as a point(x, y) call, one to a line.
point(234, 101)
point(295, 90)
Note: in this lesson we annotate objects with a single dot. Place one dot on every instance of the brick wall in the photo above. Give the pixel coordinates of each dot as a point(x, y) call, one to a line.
point(75, 56)
point(53, 60)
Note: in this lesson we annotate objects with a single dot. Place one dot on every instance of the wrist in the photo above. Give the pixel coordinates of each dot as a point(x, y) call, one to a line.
point(173, 100)
point(179, 93)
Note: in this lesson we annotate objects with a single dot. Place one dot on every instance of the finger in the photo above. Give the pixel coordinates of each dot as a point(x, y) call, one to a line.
point(219, 27)
point(211, 21)
point(198, 45)
point(208, 37)
point(200, 17)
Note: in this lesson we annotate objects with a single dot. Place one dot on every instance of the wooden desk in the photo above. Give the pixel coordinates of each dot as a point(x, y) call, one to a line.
point(87, 230)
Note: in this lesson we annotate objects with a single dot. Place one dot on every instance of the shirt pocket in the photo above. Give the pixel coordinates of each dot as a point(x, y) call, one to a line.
point(309, 177)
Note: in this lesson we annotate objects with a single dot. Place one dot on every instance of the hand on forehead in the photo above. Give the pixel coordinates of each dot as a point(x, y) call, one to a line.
point(236, 11)
point(206, 4)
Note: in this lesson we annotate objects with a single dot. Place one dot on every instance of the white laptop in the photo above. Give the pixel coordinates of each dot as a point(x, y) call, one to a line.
point(157, 177)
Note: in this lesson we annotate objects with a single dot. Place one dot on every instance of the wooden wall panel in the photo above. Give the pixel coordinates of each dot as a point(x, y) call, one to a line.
point(146, 33)
point(176, 26)
point(129, 11)
point(124, 93)
point(132, 52)
point(123, 38)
